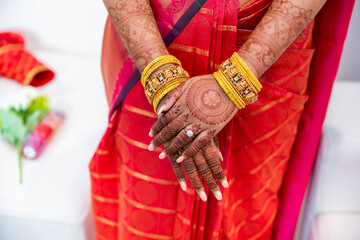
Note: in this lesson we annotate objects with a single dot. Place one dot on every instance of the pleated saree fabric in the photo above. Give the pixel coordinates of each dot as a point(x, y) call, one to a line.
point(268, 147)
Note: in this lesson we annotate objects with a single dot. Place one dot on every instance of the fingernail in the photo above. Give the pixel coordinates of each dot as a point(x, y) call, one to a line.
point(150, 134)
point(222, 158)
point(162, 155)
point(151, 147)
point(218, 195)
point(161, 109)
point(225, 183)
point(180, 159)
point(202, 195)
point(183, 185)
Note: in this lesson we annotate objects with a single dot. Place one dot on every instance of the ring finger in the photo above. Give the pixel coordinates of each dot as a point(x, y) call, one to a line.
point(181, 140)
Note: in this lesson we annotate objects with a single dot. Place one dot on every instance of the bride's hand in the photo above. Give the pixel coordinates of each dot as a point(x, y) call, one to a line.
point(198, 113)
point(204, 156)
point(207, 164)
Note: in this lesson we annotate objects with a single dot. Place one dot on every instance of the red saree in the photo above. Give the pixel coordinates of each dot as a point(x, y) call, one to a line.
point(136, 195)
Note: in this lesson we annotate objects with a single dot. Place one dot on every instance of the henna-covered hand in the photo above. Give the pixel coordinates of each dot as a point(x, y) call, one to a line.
point(203, 108)
point(199, 105)
point(207, 164)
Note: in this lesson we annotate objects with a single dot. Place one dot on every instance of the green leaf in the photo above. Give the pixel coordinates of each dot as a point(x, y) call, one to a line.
point(12, 127)
point(40, 103)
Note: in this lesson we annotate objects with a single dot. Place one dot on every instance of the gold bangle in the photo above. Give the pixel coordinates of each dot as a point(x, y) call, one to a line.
point(161, 79)
point(229, 90)
point(166, 89)
point(155, 64)
point(246, 71)
point(237, 81)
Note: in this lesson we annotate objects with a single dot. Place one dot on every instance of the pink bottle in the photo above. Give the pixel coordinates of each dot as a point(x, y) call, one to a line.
point(36, 141)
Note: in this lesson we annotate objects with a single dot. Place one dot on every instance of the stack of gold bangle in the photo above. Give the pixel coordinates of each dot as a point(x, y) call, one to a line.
point(237, 81)
point(164, 81)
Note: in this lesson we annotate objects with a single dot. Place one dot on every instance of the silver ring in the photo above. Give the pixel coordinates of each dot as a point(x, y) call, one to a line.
point(189, 133)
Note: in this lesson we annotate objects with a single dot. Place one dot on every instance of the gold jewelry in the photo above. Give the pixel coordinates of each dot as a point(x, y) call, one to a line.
point(155, 64)
point(237, 81)
point(246, 71)
point(229, 90)
point(163, 82)
point(165, 90)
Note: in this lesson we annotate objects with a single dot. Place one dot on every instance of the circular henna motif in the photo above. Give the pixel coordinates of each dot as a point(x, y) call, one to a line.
point(207, 103)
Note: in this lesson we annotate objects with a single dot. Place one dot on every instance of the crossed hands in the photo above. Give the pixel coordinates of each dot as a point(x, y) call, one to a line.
point(190, 116)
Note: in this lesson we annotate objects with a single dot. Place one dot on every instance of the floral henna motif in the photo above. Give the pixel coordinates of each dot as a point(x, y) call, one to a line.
point(207, 102)
point(209, 110)
point(283, 22)
point(175, 112)
point(196, 128)
point(165, 119)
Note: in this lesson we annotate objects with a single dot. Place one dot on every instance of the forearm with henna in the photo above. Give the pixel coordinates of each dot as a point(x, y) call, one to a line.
point(282, 23)
point(134, 21)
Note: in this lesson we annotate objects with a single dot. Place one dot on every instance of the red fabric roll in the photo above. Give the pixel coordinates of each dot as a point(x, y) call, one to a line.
point(18, 64)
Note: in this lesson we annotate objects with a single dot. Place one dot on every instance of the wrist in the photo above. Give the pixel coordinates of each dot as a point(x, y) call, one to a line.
point(250, 63)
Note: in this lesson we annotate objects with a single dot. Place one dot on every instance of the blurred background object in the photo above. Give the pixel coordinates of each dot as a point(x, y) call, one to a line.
point(74, 27)
point(54, 201)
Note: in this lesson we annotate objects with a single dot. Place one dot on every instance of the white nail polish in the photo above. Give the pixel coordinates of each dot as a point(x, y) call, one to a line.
point(222, 158)
point(151, 147)
point(150, 134)
point(202, 195)
point(218, 195)
point(183, 185)
point(162, 155)
point(161, 109)
point(180, 159)
point(225, 183)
